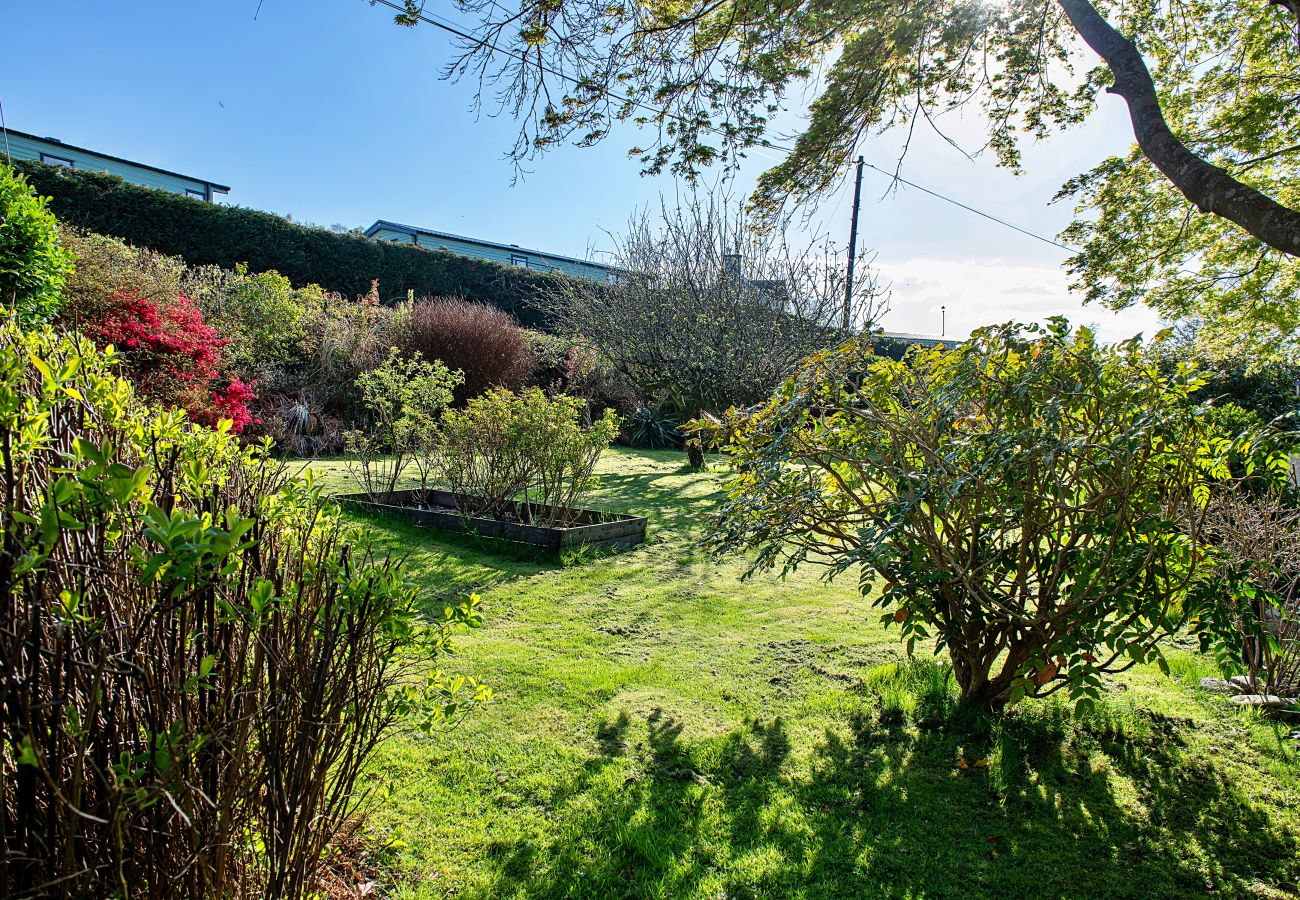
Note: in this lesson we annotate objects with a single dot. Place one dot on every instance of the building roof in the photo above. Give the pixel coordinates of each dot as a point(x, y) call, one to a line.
point(218, 188)
point(513, 248)
point(911, 337)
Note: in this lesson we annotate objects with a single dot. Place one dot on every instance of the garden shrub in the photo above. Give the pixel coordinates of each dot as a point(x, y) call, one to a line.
point(1259, 536)
point(1271, 392)
point(224, 235)
point(402, 397)
point(1231, 420)
point(1030, 501)
point(482, 342)
point(197, 655)
point(264, 320)
point(505, 445)
point(172, 354)
point(561, 365)
point(33, 265)
point(105, 266)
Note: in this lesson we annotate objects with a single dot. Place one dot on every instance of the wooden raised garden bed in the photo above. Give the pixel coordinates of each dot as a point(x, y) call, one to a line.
point(438, 509)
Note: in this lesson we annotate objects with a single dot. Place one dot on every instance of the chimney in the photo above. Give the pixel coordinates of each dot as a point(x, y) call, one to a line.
point(731, 265)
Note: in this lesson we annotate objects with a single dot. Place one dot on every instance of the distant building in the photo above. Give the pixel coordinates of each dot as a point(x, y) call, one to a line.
point(896, 344)
point(508, 254)
point(55, 152)
point(924, 341)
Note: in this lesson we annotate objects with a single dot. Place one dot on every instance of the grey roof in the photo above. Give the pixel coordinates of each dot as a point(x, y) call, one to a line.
point(917, 338)
point(513, 248)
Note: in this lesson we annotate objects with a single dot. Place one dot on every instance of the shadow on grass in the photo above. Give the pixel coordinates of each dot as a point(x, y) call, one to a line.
point(450, 565)
point(662, 496)
point(1063, 808)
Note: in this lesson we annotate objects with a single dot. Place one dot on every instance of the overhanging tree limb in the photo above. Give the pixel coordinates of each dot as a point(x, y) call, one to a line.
point(1207, 186)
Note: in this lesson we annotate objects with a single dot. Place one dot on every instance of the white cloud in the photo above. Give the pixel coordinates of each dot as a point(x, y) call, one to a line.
point(981, 292)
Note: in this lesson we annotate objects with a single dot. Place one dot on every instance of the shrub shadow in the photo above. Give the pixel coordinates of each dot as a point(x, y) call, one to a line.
point(662, 496)
point(1062, 810)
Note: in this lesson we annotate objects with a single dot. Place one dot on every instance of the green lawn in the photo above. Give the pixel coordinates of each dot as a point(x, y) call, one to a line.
point(663, 729)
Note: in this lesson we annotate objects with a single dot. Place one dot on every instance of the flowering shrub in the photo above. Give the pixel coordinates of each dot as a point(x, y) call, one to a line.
point(172, 355)
point(232, 404)
point(161, 344)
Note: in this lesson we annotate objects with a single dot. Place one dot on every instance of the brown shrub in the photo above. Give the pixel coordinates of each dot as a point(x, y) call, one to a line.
point(479, 340)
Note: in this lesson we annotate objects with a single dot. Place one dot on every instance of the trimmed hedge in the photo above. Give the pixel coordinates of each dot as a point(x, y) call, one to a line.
point(209, 234)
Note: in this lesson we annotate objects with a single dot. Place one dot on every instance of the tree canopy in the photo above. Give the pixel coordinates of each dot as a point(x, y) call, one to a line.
point(1201, 218)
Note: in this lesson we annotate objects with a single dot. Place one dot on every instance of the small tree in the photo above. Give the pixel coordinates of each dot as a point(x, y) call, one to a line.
point(1031, 500)
point(403, 397)
point(712, 314)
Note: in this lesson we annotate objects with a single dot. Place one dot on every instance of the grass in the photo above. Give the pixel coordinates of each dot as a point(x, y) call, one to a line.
point(664, 729)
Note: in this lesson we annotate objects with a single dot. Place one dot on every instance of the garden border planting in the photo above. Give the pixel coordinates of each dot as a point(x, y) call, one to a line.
point(594, 528)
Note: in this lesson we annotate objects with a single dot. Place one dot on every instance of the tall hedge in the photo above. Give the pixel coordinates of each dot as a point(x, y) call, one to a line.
point(206, 233)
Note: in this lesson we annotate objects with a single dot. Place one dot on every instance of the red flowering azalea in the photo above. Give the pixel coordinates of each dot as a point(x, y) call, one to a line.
point(172, 355)
point(232, 404)
point(167, 347)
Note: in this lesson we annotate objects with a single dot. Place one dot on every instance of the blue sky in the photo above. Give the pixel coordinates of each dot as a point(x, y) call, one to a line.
point(325, 110)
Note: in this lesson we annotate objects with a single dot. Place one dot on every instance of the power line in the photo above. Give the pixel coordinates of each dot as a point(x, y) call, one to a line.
point(979, 212)
point(437, 22)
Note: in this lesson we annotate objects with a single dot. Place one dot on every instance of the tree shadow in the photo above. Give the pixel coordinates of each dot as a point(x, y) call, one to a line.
point(1060, 810)
point(668, 498)
point(448, 566)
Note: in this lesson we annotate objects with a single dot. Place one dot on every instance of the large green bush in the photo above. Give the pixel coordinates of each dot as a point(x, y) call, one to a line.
point(32, 263)
point(505, 446)
point(197, 656)
point(1030, 501)
point(217, 234)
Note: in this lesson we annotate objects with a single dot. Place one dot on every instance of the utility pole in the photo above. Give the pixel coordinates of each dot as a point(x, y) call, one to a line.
point(853, 249)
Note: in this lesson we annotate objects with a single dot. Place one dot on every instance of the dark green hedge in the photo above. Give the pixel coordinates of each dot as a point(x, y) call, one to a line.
point(205, 233)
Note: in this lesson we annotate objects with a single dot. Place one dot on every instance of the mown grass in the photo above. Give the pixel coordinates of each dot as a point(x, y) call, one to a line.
point(663, 729)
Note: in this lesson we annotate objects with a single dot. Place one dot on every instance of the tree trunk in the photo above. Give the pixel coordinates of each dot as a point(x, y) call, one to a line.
point(980, 690)
point(695, 454)
point(1207, 186)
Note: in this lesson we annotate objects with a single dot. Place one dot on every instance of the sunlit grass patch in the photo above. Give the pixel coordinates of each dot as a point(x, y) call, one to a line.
point(664, 729)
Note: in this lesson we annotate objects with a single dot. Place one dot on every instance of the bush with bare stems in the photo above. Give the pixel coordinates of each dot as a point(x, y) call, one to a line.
point(197, 655)
point(1259, 535)
point(710, 313)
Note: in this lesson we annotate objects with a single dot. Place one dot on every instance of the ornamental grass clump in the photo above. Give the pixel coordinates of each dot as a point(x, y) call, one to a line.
point(197, 655)
point(1031, 501)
